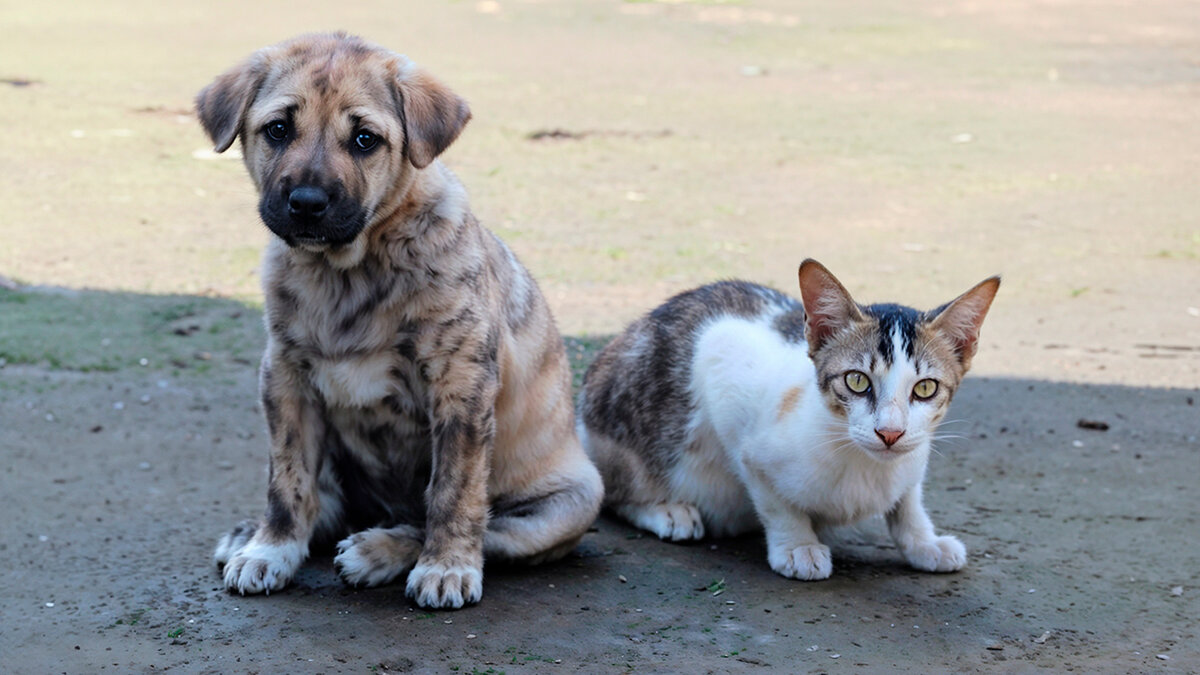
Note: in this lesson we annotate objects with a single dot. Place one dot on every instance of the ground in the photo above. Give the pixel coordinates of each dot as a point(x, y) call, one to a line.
point(627, 150)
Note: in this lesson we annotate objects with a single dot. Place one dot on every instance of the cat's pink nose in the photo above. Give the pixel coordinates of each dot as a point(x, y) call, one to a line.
point(889, 436)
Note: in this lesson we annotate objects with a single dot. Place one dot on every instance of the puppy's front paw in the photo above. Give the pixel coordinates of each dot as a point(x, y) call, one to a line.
point(376, 556)
point(942, 554)
point(232, 542)
point(262, 568)
point(440, 586)
point(809, 563)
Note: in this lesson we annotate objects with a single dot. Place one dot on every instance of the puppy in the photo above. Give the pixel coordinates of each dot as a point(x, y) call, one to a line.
point(416, 389)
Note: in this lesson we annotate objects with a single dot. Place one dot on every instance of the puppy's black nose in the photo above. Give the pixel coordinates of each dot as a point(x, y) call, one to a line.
point(308, 202)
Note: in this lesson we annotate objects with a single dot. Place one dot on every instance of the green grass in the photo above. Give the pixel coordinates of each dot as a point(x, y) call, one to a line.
point(91, 331)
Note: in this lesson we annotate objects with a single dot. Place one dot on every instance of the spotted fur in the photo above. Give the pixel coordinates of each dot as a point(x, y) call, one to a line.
point(728, 409)
point(414, 384)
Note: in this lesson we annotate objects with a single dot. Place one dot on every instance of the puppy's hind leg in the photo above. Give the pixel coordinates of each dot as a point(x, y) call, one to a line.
point(547, 521)
point(379, 555)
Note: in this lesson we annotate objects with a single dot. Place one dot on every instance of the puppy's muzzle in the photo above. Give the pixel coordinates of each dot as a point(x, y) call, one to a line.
point(310, 215)
point(307, 204)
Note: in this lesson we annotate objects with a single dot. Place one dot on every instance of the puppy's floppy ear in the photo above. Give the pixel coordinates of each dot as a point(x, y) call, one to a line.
point(222, 105)
point(828, 307)
point(432, 115)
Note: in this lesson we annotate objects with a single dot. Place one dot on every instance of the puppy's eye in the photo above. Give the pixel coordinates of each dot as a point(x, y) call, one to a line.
point(276, 131)
point(925, 389)
point(858, 382)
point(364, 140)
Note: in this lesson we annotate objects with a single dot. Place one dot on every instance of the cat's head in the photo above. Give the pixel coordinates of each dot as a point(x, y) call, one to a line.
point(889, 370)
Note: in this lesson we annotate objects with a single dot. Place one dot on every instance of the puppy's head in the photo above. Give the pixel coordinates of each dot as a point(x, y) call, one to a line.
point(330, 125)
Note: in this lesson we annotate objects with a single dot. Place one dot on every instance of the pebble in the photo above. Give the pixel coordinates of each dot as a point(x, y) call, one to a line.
point(1160, 657)
point(470, 636)
point(144, 466)
point(145, 399)
point(1041, 640)
point(143, 362)
point(119, 405)
point(962, 138)
point(42, 537)
point(51, 604)
point(621, 578)
point(49, 417)
point(1177, 591)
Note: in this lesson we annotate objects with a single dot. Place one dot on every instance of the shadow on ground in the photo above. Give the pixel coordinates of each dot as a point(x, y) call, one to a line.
point(118, 477)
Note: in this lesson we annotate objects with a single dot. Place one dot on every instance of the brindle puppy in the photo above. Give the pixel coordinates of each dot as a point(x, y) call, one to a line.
point(415, 386)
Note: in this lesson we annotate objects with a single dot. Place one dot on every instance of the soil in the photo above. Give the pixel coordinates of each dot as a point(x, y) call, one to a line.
point(628, 150)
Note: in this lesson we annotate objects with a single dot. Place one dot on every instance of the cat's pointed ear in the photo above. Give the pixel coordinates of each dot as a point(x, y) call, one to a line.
point(961, 318)
point(828, 307)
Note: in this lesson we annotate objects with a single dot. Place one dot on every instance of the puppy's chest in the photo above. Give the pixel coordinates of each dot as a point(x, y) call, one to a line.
point(368, 380)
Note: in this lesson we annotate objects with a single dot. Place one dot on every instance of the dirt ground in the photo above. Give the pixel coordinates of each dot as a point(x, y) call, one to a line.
point(628, 150)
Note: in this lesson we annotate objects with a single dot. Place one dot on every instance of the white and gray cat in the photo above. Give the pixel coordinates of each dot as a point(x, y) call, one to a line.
point(731, 408)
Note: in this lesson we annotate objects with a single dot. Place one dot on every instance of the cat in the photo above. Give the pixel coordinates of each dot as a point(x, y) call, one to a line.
point(730, 408)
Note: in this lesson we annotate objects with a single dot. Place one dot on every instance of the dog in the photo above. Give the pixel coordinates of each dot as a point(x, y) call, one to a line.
point(416, 390)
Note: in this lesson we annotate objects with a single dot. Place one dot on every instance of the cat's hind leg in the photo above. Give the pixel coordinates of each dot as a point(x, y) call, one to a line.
point(639, 494)
point(672, 522)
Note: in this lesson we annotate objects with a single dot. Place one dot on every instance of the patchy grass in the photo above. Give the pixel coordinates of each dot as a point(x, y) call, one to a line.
point(90, 331)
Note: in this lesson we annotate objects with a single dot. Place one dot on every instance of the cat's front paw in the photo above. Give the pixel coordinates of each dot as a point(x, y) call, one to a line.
point(445, 586)
point(809, 563)
point(942, 554)
point(262, 568)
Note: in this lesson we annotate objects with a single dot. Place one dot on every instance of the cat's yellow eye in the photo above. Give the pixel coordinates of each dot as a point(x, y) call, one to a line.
point(858, 382)
point(925, 389)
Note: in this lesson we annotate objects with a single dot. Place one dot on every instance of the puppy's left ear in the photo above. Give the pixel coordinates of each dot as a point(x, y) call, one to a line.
point(432, 115)
point(222, 105)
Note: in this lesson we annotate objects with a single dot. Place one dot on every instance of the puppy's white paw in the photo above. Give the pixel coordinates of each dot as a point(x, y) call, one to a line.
point(262, 568)
point(233, 541)
point(439, 586)
point(943, 554)
point(809, 563)
point(673, 522)
point(377, 556)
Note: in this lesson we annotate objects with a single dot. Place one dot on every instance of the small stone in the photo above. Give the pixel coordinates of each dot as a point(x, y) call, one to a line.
point(42, 537)
point(621, 578)
point(1160, 657)
point(144, 466)
point(119, 405)
point(1041, 640)
point(835, 656)
point(470, 636)
point(812, 648)
point(962, 138)
point(49, 417)
point(1177, 591)
point(49, 604)
point(145, 399)
point(143, 362)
